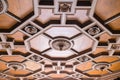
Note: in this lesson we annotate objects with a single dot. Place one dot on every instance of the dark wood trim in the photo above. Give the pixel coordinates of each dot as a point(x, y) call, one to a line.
point(46, 2)
point(83, 3)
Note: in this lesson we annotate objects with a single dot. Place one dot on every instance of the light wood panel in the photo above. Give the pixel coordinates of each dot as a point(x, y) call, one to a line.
point(20, 8)
point(18, 72)
point(99, 50)
point(115, 25)
point(84, 66)
point(58, 75)
point(107, 8)
point(115, 66)
point(106, 59)
point(97, 72)
point(12, 58)
point(2, 66)
point(16, 37)
point(6, 22)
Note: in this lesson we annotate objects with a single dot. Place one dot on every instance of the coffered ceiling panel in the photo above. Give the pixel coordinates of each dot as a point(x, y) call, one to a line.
point(59, 39)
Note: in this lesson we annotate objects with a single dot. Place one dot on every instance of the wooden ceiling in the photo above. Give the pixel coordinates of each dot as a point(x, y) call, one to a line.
point(59, 39)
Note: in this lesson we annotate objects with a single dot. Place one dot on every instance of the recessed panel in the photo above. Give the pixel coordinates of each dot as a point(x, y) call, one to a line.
point(62, 31)
point(82, 42)
point(40, 43)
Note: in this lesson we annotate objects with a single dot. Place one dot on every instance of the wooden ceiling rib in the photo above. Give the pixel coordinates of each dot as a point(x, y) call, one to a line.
point(59, 39)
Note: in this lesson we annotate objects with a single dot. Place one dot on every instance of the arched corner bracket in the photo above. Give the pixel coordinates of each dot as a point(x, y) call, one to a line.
point(3, 6)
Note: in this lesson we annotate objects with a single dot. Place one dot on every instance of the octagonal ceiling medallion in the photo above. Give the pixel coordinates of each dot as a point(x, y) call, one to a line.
point(61, 42)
